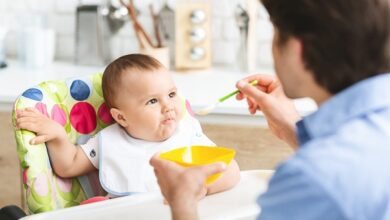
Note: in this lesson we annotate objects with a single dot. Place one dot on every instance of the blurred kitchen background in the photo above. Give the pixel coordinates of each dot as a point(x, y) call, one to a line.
point(29, 24)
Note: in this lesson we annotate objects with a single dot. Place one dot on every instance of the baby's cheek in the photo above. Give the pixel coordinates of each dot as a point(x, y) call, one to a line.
point(179, 109)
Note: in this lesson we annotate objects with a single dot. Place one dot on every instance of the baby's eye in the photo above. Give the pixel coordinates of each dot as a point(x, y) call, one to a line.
point(151, 102)
point(172, 94)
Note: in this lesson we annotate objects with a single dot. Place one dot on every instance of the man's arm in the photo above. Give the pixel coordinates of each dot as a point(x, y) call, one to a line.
point(185, 210)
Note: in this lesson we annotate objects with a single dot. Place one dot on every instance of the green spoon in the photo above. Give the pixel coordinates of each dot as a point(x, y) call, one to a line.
point(210, 108)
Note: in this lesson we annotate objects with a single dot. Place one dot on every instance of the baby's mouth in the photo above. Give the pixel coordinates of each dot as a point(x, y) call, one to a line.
point(168, 120)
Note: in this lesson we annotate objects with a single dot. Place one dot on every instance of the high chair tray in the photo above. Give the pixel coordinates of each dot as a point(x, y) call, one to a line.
point(237, 203)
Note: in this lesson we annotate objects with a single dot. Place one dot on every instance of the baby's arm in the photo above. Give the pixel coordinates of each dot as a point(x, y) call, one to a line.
point(67, 159)
point(228, 179)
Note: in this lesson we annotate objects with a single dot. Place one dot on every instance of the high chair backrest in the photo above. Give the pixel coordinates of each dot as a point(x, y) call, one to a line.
point(78, 105)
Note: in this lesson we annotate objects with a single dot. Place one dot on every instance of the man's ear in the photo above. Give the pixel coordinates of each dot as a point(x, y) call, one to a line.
point(118, 116)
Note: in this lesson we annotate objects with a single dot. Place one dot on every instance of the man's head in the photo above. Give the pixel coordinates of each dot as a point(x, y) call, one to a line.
point(338, 42)
point(142, 97)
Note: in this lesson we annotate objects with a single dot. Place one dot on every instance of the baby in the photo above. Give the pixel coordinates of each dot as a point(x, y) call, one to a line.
point(150, 117)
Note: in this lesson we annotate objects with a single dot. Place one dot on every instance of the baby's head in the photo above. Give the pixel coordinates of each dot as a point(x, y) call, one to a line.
point(142, 97)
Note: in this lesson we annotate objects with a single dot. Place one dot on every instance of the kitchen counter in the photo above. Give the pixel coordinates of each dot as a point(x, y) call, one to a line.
point(200, 87)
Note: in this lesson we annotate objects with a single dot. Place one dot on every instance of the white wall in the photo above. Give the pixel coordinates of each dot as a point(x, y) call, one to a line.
point(61, 17)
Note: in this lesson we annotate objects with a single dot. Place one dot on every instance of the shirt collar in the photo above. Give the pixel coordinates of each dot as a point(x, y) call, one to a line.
point(359, 99)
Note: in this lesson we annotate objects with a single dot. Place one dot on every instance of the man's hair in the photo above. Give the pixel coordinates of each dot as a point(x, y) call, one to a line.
point(344, 41)
point(113, 74)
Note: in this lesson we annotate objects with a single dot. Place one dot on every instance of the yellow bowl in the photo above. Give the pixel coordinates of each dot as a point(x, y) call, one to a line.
point(200, 155)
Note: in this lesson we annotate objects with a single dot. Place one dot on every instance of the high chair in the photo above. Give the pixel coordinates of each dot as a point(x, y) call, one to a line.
point(78, 105)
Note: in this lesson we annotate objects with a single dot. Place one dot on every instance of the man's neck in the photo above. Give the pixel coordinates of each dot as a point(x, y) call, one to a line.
point(319, 94)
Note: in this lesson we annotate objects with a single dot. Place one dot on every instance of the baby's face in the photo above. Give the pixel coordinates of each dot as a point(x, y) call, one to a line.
point(150, 104)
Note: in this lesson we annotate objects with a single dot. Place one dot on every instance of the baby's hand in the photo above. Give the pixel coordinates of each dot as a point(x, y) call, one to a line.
point(45, 128)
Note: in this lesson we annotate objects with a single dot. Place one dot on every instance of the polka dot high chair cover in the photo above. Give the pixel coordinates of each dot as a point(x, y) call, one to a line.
point(78, 105)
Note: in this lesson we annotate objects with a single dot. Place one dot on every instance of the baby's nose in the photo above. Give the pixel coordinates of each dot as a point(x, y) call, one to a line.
point(168, 107)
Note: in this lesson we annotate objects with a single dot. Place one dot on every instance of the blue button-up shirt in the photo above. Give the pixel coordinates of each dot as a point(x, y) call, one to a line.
point(342, 167)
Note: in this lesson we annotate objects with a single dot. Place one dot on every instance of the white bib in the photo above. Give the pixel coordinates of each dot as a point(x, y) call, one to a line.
point(124, 161)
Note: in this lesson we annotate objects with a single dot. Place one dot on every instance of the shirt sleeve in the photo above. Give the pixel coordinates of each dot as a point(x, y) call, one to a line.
point(91, 150)
point(293, 195)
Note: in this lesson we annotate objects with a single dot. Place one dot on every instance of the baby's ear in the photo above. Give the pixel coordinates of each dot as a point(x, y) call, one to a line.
point(118, 117)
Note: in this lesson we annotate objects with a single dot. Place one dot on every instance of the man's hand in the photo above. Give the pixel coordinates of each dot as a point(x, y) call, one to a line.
point(46, 129)
point(183, 187)
point(268, 96)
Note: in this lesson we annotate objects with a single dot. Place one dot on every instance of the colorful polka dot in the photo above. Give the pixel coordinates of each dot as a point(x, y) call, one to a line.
point(65, 185)
point(42, 108)
point(34, 94)
point(83, 117)
point(79, 90)
point(41, 185)
point(104, 114)
point(58, 115)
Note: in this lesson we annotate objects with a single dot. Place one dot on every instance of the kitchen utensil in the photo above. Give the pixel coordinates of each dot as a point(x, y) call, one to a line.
point(143, 38)
point(192, 35)
point(155, 20)
point(242, 19)
point(116, 16)
point(93, 35)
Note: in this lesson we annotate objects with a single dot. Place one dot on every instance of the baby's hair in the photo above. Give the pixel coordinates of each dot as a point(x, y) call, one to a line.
point(113, 73)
